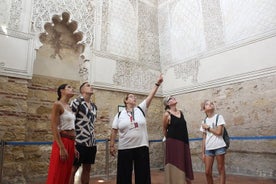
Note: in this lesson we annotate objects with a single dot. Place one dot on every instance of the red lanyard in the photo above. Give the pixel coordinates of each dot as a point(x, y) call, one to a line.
point(131, 115)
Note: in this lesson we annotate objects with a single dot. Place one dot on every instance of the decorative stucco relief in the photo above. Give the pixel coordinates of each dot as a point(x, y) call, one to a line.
point(15, 13)
point(84, 69)
point(104, 25)
point(183, 31)
point(247, 19)
point(61, 33)
point(122, 29)
point(164, 35)
point(187, 71)
point(213, 27)
point(134, 76)
point(148, 36)
point(186, 29)
point(81, 11)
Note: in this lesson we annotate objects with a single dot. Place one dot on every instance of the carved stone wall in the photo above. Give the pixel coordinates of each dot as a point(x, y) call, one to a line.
point(206, 31)
point(81, 11)
point(148, 36)
point(224, 51)
point(122, 31)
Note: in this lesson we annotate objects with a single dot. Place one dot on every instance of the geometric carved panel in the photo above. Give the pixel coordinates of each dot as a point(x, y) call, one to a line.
point(82, 11)
point(245, 19)
point(61, 34)
point(133, 76)
point(187, 71)
point(187, 36)
point(122, 31)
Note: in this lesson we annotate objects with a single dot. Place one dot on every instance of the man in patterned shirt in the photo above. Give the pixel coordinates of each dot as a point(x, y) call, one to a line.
point(86, 112)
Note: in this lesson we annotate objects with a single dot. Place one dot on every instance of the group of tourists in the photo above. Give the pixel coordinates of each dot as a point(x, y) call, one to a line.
point(72, 123)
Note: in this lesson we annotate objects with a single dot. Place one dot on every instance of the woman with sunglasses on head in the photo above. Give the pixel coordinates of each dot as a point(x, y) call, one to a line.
point(178, 162)
point(63, 128)
point(213, 145)
point(133, 145)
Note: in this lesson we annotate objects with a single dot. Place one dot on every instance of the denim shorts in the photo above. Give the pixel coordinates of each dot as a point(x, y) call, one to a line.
point(219, 151)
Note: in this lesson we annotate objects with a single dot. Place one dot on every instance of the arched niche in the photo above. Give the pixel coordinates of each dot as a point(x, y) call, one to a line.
point(61, 54)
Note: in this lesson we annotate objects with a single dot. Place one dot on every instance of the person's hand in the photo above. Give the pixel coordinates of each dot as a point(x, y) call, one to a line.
point(203, 158)
point(112, 151)
point(204, 126)
point(63, 154)
point(160, 79)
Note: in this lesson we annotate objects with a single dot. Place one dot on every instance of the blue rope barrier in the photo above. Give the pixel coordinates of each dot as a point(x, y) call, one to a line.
point(253, 137)
point(14, 143)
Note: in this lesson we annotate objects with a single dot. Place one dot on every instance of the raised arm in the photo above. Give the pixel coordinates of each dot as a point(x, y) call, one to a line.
point(153, 91)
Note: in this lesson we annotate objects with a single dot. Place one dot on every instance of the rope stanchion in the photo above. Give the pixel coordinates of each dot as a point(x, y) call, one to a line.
point(107, 159)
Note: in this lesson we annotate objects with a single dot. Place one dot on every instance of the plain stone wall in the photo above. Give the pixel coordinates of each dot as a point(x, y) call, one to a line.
point(248, 108)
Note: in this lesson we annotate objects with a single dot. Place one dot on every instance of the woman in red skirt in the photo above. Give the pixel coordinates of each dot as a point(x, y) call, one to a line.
point(63, 128)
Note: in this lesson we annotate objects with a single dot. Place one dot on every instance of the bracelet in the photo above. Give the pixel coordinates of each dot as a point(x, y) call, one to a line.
point(156, 84)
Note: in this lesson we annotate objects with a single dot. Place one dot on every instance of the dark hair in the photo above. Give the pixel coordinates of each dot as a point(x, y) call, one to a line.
point(62, 86)
point(82, 85)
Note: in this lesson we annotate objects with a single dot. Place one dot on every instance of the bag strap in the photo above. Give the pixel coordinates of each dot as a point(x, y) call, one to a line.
point(141, 110)
point(217, 120)
point(119, 113)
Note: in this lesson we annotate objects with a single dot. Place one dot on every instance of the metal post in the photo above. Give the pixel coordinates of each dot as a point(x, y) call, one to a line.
point(2, 159)
point(107, 159)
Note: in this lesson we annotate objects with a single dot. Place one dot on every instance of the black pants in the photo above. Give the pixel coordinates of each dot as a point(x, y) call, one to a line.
point(140, 158)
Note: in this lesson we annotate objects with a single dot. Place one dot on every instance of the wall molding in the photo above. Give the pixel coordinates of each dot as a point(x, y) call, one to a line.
point(111, 87)
point(27, 71)
point(17, 34)
point(223, 81)
point(225, 48)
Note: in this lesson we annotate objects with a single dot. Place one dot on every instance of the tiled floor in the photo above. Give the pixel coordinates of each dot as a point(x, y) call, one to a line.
point(158, 177)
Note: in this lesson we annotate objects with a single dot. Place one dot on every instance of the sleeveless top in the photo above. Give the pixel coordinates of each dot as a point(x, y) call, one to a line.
point(177, 128)
point(67, 120)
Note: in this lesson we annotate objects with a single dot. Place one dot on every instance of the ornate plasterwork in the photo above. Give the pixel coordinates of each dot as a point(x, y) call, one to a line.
point(148, 36)
point(213, 27)
point(84, 69)
point(82, 11)
point(15, 13)
point(187, 71)
point(104, 23)
point(122, 29)
point(183, 35)
point(134, 76)
point(61, 33)
point(247, 19)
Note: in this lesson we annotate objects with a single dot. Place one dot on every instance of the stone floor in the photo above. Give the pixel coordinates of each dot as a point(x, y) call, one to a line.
point(158, 177)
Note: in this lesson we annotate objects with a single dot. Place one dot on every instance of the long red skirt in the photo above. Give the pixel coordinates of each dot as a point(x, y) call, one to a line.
point(59, 171)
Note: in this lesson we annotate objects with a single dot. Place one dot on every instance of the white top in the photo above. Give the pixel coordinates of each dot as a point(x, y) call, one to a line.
point(67, 120)
point(213, 141)
point(132, 130)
